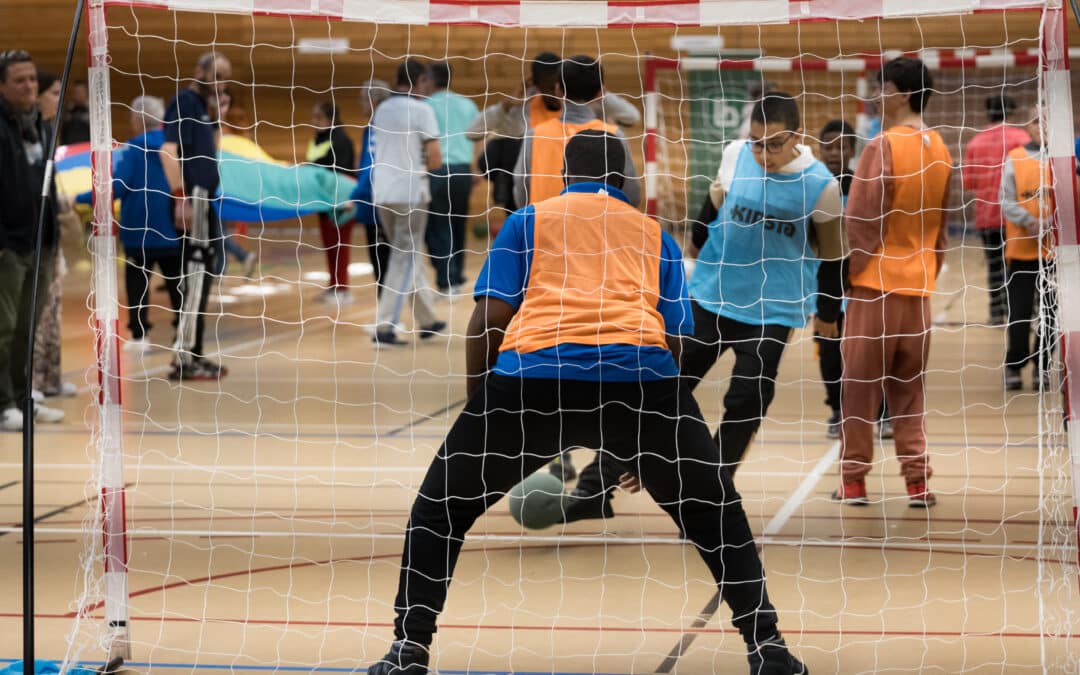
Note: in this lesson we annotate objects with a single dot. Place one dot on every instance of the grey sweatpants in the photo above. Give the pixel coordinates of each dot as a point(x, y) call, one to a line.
point(405, 279)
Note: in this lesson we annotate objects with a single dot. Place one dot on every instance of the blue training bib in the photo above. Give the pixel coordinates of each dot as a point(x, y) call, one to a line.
point(758, 266)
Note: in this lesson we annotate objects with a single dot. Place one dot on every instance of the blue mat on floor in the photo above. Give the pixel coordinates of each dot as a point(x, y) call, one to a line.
point(44, 668)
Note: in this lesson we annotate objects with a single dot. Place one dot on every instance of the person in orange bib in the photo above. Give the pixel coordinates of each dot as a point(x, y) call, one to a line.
point(574, 341)
point(895, 221)
point(538, 174)
point(1027, 201)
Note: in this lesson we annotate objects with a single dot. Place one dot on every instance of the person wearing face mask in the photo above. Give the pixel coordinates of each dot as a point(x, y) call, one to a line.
point(24, 142)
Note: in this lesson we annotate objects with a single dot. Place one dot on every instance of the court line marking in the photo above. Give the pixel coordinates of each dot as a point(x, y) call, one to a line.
point(555, 540)
point(687, 638)
point(777, 522)
point(229, 667)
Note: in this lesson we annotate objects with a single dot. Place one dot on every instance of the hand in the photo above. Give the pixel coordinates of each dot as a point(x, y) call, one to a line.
point(826, 330)
point(183, 214)
point(630, 483)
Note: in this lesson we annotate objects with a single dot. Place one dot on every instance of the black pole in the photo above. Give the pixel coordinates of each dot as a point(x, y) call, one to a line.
point(28, 401)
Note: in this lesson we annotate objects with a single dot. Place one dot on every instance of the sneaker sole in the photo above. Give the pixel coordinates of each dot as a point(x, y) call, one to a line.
point(922, 503)
point(851, 501)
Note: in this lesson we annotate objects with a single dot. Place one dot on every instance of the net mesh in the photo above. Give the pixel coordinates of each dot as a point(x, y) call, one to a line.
point(266, 510)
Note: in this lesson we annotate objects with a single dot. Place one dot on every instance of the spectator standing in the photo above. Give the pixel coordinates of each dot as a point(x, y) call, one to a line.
point(984, 158)
point(189, 158)
point(451, 183)
point(1027, 206)
point(147, 233)
point(48, 374)
point(372, 93)
point(405, 148)
point(331, 147)
point(76, 126)
point(24, 141)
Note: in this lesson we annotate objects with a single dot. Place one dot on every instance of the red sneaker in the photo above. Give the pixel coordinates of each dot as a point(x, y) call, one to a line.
point(852, 492)
point(919, 496)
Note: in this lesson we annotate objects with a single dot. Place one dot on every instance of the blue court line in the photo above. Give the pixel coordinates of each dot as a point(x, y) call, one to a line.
point(303, 669)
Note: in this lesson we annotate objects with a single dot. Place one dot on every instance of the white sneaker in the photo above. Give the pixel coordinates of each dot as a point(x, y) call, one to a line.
point(68, 389)
point(37, 395)
point(11, 420)
point(249, 266)
point(335, 296)
point(48, 415)
point(140, 346)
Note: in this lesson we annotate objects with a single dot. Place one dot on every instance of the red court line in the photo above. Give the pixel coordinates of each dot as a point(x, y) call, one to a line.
point(569, 629)
point(89, 609)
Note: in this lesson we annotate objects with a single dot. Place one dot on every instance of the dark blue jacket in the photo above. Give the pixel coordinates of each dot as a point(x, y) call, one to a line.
point(139, 183)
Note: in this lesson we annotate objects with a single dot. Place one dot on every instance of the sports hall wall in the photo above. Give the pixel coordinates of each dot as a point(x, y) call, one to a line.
point(151, 49)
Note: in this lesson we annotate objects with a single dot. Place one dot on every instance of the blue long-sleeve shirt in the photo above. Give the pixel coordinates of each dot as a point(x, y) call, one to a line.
point(139, 182)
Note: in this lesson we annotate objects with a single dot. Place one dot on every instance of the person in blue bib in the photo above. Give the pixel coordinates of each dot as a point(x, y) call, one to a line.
point(771, 258)
point(580, 313)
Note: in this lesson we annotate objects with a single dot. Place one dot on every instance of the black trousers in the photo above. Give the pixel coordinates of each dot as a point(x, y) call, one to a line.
point(139, 263)
point(1025, 294)
point(753, 385)
point(448, 213)
point(378, 252)
point(753, 379)
point(512, 427)
point(994, 247)
point(497, 162)
point(831, 365)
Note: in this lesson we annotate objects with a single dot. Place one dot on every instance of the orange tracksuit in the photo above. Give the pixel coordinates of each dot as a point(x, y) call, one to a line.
point(896, 228)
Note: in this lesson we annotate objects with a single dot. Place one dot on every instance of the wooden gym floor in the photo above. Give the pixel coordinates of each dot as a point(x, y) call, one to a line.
point(266, 512)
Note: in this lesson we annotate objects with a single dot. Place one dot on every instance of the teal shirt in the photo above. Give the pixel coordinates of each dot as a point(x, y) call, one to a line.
point(454, 113)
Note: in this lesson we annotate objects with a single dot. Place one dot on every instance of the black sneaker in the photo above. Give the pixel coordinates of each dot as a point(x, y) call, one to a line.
point(562, 468)
point(582, 506)
point(1042, 381)
point(404, 658)
point(832, 427)
point(1013, 380)
point(197, 369)
point(773, 658)
point(387, 338)
point(431, 330)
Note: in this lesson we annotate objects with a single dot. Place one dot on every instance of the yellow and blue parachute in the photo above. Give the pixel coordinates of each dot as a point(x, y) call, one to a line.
point(255, 187)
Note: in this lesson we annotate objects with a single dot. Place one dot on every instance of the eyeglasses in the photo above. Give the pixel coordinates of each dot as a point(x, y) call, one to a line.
point(773, 147)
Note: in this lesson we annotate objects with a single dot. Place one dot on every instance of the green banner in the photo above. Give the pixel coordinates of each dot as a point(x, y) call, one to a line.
point(717, 98)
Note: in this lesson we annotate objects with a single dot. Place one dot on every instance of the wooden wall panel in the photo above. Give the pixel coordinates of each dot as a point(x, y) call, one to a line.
point(154, 50)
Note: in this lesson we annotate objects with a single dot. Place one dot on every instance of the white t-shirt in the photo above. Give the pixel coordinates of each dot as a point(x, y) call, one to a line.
point(830, 205)
point(400, 128)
